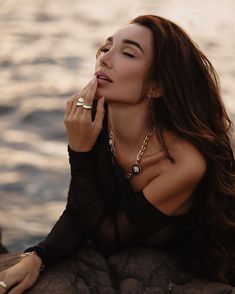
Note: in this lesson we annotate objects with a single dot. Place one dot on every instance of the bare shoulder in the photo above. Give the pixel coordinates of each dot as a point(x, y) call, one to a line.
point(171, 189)
point(185, 154)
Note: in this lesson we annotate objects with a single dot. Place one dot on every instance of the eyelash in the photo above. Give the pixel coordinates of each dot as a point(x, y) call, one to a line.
point(104, 50)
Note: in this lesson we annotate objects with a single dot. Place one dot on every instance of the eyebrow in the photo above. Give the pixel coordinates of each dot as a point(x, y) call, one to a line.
point(130, 42)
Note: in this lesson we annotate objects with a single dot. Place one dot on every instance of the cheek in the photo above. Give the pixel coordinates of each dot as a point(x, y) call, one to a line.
point(134, 85)
point(133, 81)
point(129, 89)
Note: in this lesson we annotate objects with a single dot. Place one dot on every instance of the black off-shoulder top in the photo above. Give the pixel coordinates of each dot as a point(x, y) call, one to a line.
point(103, 208)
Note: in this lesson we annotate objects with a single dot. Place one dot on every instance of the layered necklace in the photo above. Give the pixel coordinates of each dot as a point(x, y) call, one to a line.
point(136, 168)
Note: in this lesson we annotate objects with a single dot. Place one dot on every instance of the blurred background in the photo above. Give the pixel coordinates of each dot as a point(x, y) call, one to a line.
point(47, 52)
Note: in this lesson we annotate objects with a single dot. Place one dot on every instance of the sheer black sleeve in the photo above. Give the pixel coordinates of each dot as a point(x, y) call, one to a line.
point(64, 239)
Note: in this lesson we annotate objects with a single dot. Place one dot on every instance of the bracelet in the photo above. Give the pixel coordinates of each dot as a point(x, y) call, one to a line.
point(28, 254)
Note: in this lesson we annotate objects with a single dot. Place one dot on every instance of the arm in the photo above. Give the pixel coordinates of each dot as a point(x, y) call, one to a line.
point(67, 234)
point(65, 237)
point(63, 240)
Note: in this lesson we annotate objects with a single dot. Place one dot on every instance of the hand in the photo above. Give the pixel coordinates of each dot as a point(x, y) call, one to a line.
point(21, 276)
point(82, 132)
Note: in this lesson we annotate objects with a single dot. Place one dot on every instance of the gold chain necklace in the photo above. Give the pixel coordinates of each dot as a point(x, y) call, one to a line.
point(136, 168)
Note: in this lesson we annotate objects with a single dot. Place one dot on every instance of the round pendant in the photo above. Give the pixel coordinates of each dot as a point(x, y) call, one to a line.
point(136, 168)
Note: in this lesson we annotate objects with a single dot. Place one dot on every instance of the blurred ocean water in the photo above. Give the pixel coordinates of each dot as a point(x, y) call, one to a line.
point(47, 52)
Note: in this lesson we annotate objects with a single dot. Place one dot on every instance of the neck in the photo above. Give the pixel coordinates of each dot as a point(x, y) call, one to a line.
point(129, 123)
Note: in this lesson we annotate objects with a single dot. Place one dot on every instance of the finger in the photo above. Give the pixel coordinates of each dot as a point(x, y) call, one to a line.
point(3, 280)
point(8, 285)
point(2, 291)
point(20, 288)
point(10, 280)
point(73, 107)
point(100, 111)
point(74, 97)
point(69, 104)
point(90, 97)
point(72, 102)
point(79, 93)
point(68, 107)
point(77, 109)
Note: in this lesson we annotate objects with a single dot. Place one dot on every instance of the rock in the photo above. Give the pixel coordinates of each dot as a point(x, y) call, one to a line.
point(135, 270)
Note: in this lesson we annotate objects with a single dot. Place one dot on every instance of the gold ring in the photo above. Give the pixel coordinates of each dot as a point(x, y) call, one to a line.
point(79, 104)
point(80, 101)
point(87, 106)
point(3, 284)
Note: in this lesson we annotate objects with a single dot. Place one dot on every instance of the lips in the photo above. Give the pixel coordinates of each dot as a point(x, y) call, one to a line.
point(102, 76)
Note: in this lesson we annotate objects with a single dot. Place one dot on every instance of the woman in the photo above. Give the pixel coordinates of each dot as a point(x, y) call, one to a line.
point(150, 155)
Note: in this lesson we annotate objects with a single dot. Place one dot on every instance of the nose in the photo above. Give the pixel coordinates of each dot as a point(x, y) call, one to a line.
point(105, 59)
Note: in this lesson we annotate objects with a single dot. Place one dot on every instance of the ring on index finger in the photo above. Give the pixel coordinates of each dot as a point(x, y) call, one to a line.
point(3, 284)
point(80, 102)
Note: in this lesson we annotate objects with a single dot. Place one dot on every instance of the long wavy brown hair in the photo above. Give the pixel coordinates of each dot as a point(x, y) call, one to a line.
point(191, 106)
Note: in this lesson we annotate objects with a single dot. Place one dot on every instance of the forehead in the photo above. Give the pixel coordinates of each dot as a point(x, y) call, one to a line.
point(137, 33)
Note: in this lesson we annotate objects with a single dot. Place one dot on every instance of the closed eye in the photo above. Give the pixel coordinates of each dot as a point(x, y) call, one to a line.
point(132, 56)
point(107, 49)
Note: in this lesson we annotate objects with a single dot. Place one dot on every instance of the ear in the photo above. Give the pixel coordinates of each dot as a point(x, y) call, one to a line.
point(154, 92)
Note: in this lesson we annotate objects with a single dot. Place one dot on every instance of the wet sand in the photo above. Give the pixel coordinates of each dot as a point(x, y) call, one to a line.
point(47, 52)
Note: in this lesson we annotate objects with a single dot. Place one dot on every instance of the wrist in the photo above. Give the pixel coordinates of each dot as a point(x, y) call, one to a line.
point(35, 257)
point(80, 154)
point(79, 149)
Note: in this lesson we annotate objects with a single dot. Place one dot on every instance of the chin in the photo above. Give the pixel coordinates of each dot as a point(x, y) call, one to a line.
point(98, 96)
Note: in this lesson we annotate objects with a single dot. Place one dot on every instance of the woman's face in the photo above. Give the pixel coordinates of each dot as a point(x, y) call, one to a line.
point(125, 58)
